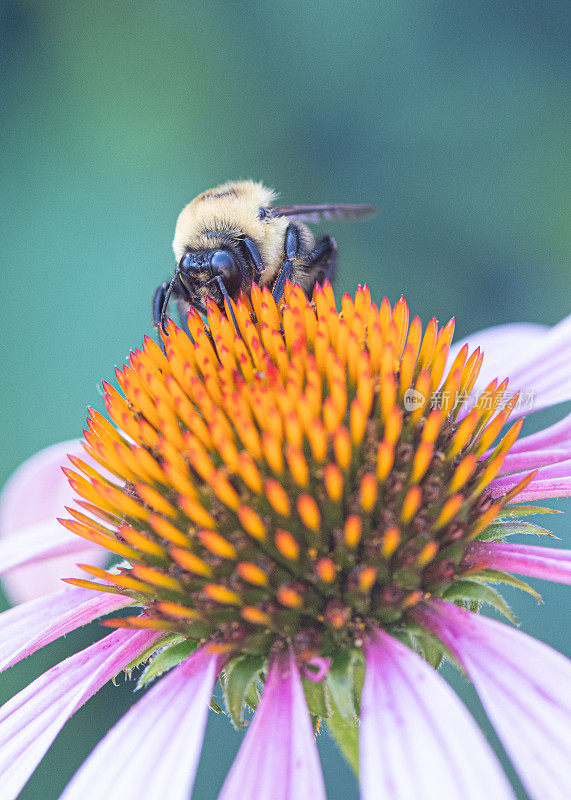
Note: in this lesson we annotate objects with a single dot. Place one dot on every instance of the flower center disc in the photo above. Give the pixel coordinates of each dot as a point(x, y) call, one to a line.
point(304, 478)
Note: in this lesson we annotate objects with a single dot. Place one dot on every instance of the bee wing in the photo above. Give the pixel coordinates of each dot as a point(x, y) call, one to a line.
point(316, 213)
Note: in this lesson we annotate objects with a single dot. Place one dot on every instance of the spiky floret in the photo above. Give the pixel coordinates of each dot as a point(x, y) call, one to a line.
point(303, 479)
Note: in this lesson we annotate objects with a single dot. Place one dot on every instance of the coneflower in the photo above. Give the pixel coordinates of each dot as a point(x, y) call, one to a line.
point(310, 505)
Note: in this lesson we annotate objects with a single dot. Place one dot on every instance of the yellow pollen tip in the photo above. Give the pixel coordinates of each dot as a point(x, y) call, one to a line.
point(391, 540)
point(422, 459)
point(411, 504)
point(219, 648)
point(353, 530)
point(141, 542)
point(156, 501)
point(289, 597)
point(252, 573)
point(98, 587)
point(325, 569)
point(224, 490)
point(217, 544)
point(308, 512)
point(463, 433)
point(428, 342)
point(342, 448)
point(118, 579)
point(333, 479)
point(287, 545)
point(176, 610)
point(220, 594)
point(412, 599)
point(518, 488)
point(357, 421)
point(385, 459)
point(432, 426)
point(155, 577)
point(483, 521)
point(427, 554)
point(368, 492)
point(297, 466)
point(449, 510)
point(388, 394)
point(196, 512)
point(463, 473)
point(393, 426)
point(167, 531)
point(367, 579)
point(249, 472)
point(139, 622)
point(252, 523)
point(92, 535)
point(277, 497)
point(191, 562)
point(255, 616)
point(317, 436)
point(489, 473)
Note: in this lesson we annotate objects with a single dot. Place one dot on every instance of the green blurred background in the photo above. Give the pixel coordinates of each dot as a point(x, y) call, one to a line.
point(450, 116)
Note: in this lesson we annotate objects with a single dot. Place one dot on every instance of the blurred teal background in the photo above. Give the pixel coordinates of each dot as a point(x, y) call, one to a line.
point(450, 116)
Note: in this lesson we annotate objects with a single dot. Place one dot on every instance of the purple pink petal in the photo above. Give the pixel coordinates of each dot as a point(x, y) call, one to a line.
point(502, 345)
point(554, 436)
point(417, 741)
point(32, 719)
point(525, 462)
point(536, 359)
point(154, 749)
point(278, 759)
point(34, 547)
point(525, 687)
point(551, 481)
point(35, 623)
point(549, 563)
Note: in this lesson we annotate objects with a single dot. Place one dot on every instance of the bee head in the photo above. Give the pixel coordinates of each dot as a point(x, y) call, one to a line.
point(216, 273)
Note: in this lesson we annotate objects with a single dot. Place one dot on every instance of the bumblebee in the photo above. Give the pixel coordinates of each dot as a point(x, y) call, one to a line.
point(231, 236)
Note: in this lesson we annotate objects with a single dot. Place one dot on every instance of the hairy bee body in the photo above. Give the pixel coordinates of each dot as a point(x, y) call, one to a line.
point(233, 235)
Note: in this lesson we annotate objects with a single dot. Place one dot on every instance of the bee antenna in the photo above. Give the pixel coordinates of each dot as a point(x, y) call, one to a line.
point(168, 295)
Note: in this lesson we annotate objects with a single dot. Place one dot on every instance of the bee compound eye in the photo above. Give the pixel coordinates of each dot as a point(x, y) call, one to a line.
point(187, 261)
point(223, 264)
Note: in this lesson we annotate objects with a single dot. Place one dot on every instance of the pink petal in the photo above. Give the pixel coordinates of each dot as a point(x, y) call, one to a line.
point(278, 758)
point(553, 480)
point(549, 563)
point(526, 462)
point(525, 687)
point(504, 347)
point(417, 741)
point(544, 484)
point(31, 720)
point(37, 543)
point(536, 359)
point(34, 624)
point(554, 436)
point(33, 498)
point(153, 751)
point(547, 370)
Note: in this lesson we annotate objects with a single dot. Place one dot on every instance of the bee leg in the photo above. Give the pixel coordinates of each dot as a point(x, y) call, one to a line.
point(256, 258)
point(226, 296)
point(292, 250)
point(182, 307)
point(157, 305)
point(322, 261)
